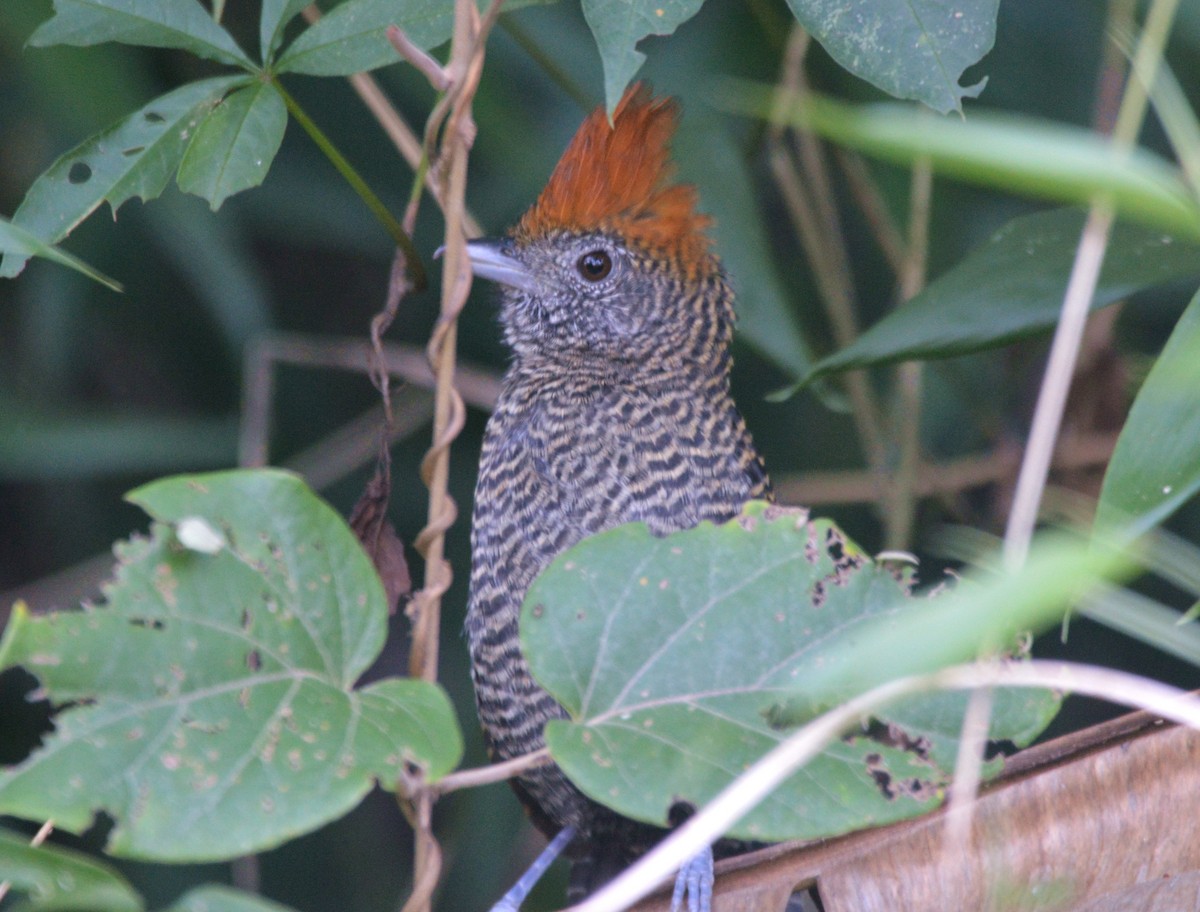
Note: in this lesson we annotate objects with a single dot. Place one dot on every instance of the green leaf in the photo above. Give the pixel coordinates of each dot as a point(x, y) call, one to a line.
point(276, 14)
point(180, 24)
point(352, 38)
point(914, 49)
point(666, 651)
point(134, 157)
point(18, 242)
point(982, 614)
point(618, 26)
point(1012, 287)
point(233, 146)
point(1005, 151)
point(213, 709)
point(219, 898)
point(58, 879)
point(1155, 468)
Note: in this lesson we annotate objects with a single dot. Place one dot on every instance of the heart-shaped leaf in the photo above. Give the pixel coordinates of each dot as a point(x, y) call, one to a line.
point(213, 707)
point(667, 653)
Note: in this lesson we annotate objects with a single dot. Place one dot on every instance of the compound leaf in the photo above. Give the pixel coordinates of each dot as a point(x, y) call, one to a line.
point(181, 24)
point(134, 157)
point(234, 145)
point(352, 38)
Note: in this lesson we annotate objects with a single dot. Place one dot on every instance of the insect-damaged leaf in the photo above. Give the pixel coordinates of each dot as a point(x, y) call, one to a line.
point(214, 710)
point(136, 156)
point(667, 651)
point(914, 49)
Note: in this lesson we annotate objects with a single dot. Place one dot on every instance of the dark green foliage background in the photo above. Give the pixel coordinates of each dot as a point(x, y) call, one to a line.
point(100, 392)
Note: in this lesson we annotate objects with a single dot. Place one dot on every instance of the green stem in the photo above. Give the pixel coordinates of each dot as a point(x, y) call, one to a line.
point(416, 272)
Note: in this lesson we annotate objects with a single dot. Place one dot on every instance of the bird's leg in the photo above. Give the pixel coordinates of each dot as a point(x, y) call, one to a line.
point(511, 901)
point(695, 881)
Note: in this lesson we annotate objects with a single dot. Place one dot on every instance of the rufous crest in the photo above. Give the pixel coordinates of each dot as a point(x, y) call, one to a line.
point(617, 179)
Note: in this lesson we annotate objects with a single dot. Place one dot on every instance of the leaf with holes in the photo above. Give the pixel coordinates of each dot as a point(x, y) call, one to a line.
point(666, 652)
point(213, 710)
point(134, 157)
point(183, 24)
point(915, 49)
point(234, 144)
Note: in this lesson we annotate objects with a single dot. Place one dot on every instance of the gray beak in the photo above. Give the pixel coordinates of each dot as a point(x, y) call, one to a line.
point(491, 258)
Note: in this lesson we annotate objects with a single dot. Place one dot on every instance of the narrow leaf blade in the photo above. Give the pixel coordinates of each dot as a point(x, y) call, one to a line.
point(17, 242)
point(180, 24)
point(234, 145)
point(1013, 153)
point(276, 14)
point(1155, 468)
point(1012, 287)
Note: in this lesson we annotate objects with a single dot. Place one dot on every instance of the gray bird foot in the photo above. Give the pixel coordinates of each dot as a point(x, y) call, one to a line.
point(511, 901)
point(695, 881)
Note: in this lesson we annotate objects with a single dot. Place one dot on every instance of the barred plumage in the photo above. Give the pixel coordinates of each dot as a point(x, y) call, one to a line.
point(616, 408)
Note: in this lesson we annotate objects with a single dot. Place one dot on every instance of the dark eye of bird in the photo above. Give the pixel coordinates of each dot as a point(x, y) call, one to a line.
point(595, 265)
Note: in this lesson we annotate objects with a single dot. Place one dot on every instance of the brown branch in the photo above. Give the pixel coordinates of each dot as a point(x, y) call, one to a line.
point(402, 136)
point(816, 224)
point(495, 772)
point(454, 110)
point(937, 479)
point(901, 499)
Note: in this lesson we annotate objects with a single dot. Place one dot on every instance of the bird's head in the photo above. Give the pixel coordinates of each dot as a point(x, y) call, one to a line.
point(612, 263)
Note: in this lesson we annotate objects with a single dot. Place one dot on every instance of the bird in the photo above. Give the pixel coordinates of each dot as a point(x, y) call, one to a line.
point(615, 408)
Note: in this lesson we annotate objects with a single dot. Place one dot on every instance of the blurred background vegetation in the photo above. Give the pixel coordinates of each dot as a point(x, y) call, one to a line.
point(100, 392)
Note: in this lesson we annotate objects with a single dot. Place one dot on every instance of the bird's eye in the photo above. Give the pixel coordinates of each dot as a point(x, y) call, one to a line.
point(595, 265)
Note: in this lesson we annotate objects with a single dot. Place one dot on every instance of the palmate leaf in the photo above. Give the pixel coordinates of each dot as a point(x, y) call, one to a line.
point(912, 49)
point(181, 24)
point(1012, 287)
point(17, 242)
point(667, 653)
point(1155, 468)
point(134, 157)
point(234, 144)
point(214, 708)
point(275, 16)
point(352, 38)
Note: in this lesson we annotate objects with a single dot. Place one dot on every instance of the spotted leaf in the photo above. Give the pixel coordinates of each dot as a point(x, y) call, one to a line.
point(668, 652)
point(211, 701)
